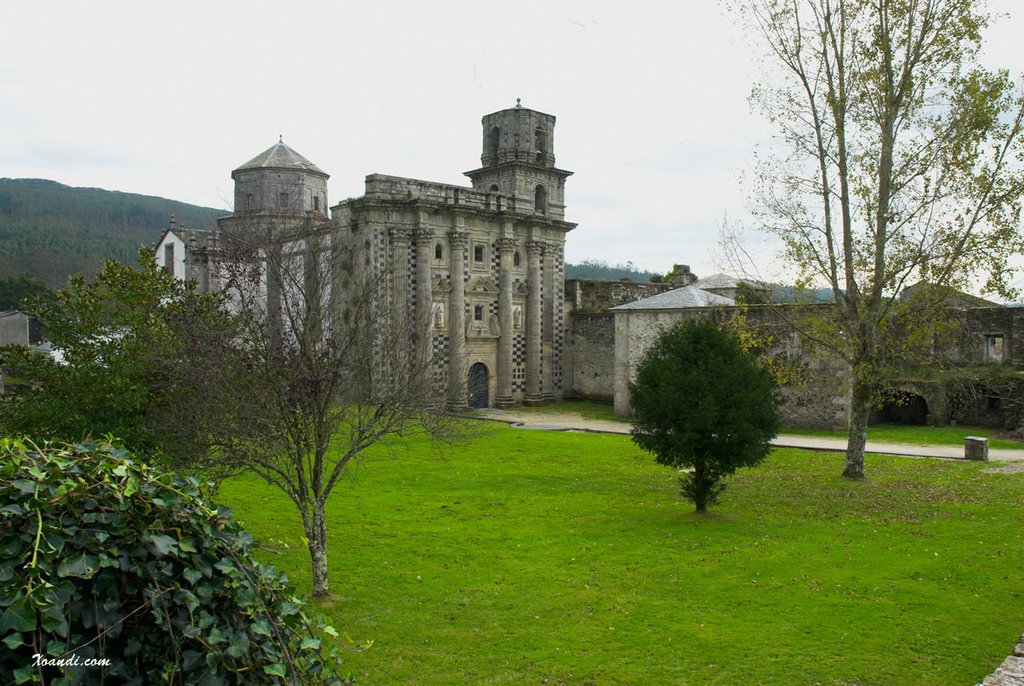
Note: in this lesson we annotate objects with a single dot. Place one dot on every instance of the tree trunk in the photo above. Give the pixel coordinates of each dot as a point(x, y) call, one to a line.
point(700, 490)
point(860, 410)
point(318, 550)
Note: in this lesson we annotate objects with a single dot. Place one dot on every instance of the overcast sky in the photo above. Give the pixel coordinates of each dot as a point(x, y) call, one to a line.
point(167, 98)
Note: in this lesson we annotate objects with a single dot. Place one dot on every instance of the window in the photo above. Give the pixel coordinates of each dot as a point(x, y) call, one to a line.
point(316, 202)
point(250, 203)
point(478, 253)
point(493, 141)
point(438, 252)
point(541, 139)
point(283, 200)
point(540, 199)
point(516, 259)
point(169, 257)
point(478, 313)
point(494, 188)
point(992, 348)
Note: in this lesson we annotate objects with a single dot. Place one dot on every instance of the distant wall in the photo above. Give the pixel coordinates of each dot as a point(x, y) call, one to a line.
point(14, 328)
point(590, 362)
point(583, 295)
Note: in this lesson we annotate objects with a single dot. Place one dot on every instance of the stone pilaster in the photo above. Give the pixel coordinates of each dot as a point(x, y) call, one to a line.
point(506, 246)
point(458, 392)
point(399, 238)
point(534, 252)
point(424, 238)
point(547, 379)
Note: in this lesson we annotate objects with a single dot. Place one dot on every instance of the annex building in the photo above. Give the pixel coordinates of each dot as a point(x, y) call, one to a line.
point(480, 266)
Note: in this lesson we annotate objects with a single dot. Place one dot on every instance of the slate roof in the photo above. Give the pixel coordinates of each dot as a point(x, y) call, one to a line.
point(280, 156)
point(680, 298)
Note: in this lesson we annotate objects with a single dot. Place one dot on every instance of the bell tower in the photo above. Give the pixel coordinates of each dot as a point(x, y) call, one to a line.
point(519, 159)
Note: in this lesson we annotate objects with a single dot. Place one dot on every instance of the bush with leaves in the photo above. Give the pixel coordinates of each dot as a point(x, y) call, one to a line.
point(121, 340)
point(105, 557)
point(701, 401)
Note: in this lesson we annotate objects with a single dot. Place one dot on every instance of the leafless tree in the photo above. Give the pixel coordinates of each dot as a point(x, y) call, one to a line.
point(323, 362)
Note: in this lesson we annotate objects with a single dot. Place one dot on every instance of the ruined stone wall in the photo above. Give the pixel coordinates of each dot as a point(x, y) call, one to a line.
point(584, 295)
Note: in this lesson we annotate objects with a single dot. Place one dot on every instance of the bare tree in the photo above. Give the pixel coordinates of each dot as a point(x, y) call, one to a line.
point(324, 362)
point(898, 161)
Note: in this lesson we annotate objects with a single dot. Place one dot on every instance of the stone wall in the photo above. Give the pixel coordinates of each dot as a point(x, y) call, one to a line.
point(590, 359)
point(584, 295)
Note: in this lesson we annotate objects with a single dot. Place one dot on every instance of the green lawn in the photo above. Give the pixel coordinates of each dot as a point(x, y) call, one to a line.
point(534, 557)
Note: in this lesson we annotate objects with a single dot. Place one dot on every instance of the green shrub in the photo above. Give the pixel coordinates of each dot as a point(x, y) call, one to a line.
point(104, 557)
point(702, 402)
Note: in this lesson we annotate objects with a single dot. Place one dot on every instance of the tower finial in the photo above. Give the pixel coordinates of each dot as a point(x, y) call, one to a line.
point(517, 103)
point(280, 138)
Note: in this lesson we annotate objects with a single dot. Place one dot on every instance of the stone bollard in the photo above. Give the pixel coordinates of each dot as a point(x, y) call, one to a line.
point(976, 448)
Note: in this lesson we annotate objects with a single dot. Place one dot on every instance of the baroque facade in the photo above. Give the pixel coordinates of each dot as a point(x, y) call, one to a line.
point(482, 267)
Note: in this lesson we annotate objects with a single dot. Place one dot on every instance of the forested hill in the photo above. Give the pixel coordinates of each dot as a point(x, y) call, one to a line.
point(51, 230)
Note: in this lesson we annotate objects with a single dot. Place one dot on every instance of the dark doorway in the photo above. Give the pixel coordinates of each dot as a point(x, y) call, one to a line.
point(478, 396)
point(904, 408)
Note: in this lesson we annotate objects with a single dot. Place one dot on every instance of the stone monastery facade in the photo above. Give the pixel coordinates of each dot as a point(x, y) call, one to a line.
point(481, 266)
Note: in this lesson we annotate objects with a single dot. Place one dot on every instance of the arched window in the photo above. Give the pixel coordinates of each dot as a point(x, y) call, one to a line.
point(494, 188)
point(540, 137)
point(493, 142)
point(438, 252)
point(516, 259)
point(540, 199)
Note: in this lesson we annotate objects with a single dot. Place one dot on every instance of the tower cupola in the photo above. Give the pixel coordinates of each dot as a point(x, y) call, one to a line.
point(518, 159)
point(282, 180)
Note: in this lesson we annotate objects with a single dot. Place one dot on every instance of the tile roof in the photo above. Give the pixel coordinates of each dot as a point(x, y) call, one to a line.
point(280, 156)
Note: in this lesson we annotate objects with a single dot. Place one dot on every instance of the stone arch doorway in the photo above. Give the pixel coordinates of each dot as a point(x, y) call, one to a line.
point(904, 408)
point(478, 385)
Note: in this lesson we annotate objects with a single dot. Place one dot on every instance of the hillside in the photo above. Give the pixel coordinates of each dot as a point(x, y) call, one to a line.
point(51, 230)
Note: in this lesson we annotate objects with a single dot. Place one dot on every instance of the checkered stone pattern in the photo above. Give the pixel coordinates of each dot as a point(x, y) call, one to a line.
point(439, 351)
point(558, 341)
point(519, 363)
point(492, 308)
point(495, 259)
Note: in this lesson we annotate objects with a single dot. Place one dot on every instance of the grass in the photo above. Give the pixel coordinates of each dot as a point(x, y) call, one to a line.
point(567, 558)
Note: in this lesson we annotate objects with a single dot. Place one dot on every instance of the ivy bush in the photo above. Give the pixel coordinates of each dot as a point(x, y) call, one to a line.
point(106, 558)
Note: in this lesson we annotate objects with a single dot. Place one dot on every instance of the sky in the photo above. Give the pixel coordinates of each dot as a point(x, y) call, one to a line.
point(167, 98)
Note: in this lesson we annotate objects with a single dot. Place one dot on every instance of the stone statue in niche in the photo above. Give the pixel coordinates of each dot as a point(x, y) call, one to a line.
point(438, 315)
point(517, 317)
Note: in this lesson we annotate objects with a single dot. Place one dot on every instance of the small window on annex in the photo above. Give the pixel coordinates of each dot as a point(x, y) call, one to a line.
point(992, 348)
point(169, 257)
point(316, 201)
point(250, 203)
point(283, 200)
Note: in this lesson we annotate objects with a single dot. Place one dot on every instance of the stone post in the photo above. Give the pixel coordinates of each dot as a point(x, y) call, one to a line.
point(458, 392)
point(534, 252)
point(506, 246)
point(976, 448)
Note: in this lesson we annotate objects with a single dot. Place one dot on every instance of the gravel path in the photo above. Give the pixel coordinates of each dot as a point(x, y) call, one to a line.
point(561, 421)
